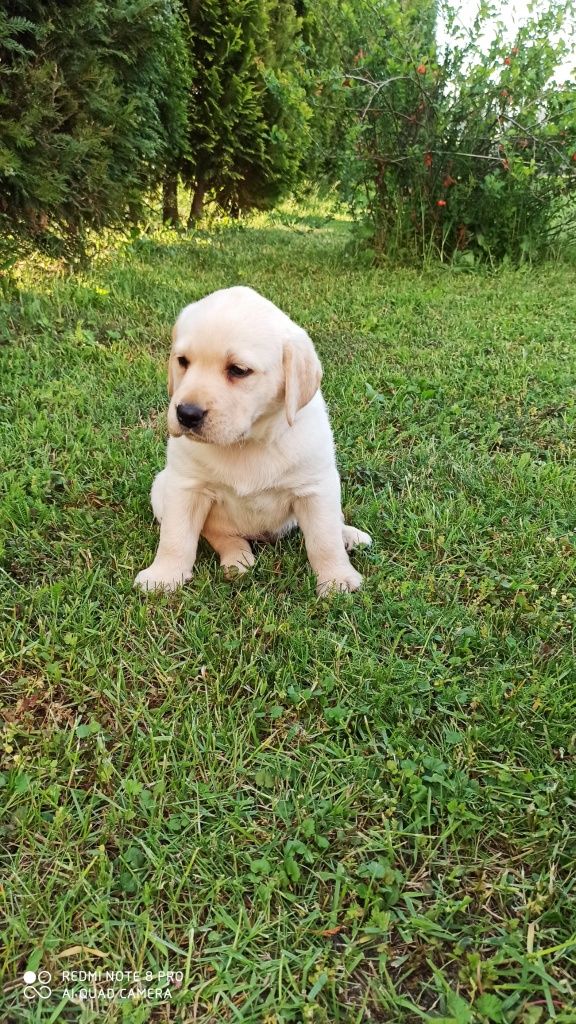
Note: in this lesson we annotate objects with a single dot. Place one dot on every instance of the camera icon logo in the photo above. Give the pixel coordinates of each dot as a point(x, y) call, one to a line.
point(37, 986)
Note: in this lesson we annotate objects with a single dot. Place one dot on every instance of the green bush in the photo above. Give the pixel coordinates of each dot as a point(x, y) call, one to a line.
point(92, 101)
point(461, 149)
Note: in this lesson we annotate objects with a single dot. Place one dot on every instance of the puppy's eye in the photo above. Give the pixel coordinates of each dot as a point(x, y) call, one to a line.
point(239, 371)
point(182, 361)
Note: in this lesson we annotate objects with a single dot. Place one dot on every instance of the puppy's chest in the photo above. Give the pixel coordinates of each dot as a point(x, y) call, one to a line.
point(251, 481)
point(255, 491)
point(267, 502)
point(254, 503)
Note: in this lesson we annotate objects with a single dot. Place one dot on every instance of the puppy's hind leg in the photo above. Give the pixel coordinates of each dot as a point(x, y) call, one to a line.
point(236, 555)
point(157, 495)
point(354, 538)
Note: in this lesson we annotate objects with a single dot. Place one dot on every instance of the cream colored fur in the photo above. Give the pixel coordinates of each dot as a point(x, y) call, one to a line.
point(262, 460)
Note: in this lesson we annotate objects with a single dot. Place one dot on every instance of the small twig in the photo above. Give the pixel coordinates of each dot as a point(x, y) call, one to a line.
point(377, 86)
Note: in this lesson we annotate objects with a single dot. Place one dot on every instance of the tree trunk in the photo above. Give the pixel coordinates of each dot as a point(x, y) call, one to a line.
point(197, 206)
point(170, 199)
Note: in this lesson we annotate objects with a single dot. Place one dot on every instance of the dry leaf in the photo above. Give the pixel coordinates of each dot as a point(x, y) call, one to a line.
point(74, 950)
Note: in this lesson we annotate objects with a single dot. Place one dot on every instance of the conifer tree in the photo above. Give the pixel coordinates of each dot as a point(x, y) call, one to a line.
point(248, 109)
point(93, 101)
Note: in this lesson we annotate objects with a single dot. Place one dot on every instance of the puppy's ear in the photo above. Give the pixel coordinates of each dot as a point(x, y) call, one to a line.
point(302, 373)
point(170, 367)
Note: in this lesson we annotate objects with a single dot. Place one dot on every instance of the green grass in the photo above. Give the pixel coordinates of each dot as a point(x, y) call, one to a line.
point(356, 809)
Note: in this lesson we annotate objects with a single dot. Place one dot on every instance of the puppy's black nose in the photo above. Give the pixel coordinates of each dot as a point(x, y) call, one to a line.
point(190, 415)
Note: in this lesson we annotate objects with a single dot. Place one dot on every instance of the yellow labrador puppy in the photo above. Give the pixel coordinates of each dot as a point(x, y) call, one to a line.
point(250, 453)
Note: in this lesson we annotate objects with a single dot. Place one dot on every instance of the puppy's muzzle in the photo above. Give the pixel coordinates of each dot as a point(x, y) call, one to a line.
point(190, 416)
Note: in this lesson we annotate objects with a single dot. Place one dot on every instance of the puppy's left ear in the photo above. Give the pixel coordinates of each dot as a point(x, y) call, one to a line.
point(170, 367)
point(302, 372)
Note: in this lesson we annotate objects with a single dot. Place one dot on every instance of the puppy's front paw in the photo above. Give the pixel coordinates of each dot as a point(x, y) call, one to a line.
point(161, 577)
point(343, 580)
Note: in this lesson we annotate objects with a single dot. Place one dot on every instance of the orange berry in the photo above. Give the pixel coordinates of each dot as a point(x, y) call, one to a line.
point(421, 69)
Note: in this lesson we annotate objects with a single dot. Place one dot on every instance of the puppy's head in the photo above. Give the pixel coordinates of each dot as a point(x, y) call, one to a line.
point(237, 361)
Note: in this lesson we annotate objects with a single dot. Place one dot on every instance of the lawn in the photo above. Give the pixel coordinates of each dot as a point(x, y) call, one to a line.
point(344, 810)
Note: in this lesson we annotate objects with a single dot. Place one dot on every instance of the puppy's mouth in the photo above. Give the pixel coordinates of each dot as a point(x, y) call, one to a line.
point(194, 434)
point(218, 442)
